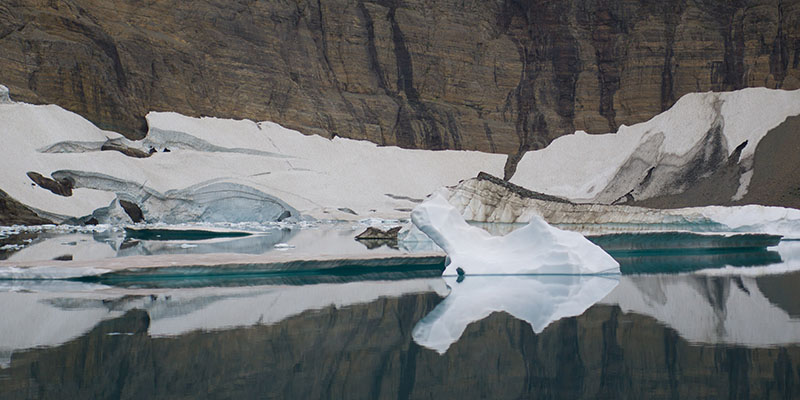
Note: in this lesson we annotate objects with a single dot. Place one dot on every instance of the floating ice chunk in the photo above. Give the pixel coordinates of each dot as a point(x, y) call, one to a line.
point(536, 248)
point(536, 299)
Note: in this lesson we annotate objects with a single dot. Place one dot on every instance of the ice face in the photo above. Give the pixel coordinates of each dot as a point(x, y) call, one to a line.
point(536, 299)
point(4, 96)
point(536, 248)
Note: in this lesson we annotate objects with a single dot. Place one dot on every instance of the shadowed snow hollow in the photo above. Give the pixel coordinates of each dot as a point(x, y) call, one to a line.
point(536, 248)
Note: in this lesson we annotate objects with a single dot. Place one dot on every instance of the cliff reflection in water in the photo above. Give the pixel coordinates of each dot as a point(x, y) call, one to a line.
point(261, 342)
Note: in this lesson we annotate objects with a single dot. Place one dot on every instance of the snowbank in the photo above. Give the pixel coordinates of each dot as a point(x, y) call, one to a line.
point(218, 169)
point(656, 157)
point(537, 248)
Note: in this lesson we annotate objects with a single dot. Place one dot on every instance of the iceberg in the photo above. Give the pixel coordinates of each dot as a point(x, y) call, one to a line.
point(536, 248)
point(536, 299)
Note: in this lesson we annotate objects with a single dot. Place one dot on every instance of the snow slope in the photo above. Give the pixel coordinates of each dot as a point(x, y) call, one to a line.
point(218, 169)
point(655, 157)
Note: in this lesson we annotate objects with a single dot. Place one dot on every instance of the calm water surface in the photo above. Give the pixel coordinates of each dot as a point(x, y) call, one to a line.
point(714, 334)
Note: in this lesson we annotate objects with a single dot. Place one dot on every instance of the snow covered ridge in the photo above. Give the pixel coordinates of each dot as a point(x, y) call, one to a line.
point(216, 170)
point(219, 170)
point(537, 248)
point(663, 155)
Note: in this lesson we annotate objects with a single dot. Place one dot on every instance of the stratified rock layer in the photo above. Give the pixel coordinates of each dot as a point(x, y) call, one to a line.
point(500, 76)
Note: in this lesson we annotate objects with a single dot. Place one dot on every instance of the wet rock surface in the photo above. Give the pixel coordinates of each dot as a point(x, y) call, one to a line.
point(500, 76)
point(374, 238)
point(377, 233)
point(13, 212)
point(61, 187)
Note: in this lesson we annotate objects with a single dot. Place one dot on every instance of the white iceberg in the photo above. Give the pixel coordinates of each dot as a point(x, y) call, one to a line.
point(536, 299)
point(536, 248)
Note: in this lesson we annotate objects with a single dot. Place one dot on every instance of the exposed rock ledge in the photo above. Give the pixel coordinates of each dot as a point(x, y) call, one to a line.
point(489, 199)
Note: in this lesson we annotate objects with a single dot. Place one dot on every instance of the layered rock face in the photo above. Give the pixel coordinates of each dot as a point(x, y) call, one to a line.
point(500, 76)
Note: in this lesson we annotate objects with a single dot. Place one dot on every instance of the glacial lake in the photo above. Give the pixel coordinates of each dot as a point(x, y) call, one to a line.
point(675, 324)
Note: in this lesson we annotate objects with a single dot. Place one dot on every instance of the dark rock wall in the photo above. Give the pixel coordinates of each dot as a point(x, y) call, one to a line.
point(500, 76)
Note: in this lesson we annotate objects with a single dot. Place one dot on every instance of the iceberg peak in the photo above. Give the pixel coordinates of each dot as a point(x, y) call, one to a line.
point(536, 248)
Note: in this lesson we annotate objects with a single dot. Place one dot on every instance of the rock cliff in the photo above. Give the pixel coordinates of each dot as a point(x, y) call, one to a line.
point(500, 76)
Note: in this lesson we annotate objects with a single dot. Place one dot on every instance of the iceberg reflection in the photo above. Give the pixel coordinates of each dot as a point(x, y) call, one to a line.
point(536, 299)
